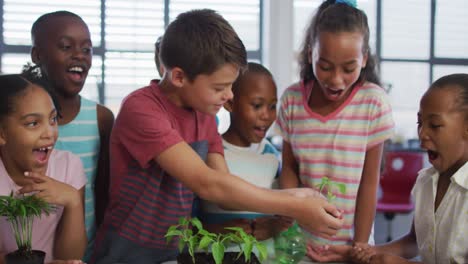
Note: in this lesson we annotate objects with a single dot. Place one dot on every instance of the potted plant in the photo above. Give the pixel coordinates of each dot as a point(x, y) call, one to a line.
point(20, 211)
point(206, 247)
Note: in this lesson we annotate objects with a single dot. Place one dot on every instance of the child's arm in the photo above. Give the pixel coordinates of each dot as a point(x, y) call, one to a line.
point(185, 165)
point(70, 236)
point(328, 253)
point(70, 239)
point(404, 247)
point(289, 177)
point(367, 194)
point(101, 187)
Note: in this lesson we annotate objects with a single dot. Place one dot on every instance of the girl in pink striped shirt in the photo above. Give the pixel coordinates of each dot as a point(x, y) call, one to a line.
point(335, 121)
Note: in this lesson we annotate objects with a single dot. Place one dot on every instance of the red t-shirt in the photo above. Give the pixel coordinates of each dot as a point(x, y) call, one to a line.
point(145, 200)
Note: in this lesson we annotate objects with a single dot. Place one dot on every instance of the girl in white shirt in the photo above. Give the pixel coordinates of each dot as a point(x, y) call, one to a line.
point(440, 227)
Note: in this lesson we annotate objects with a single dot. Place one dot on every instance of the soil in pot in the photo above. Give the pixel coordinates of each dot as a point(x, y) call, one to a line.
point(207, 258)
point(20, 257)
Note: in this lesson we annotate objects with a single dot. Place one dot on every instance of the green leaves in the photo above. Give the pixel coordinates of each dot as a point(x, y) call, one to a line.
point(217, 249)
point(20, 211)
point(192, 235)
point(328, 185)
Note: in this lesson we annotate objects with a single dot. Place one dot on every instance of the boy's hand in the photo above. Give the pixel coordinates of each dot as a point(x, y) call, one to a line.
point(50, 190)
point(304, 192)
point(362, 252)
point(320, 217)
point(328, 253)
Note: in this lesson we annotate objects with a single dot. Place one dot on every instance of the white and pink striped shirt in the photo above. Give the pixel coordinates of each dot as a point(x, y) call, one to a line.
point(335, 145)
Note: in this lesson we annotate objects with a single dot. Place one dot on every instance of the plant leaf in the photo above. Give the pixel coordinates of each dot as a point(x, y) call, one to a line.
point(197, 223)
point(205, 242)
point(262, 250)
point(341, 187)
point(217, 250)
point(181, 245)
point(172, 233)
point(248, 245)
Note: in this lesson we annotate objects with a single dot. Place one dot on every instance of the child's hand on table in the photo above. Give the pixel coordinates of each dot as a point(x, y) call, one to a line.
point(328, 253)
point(362, 252)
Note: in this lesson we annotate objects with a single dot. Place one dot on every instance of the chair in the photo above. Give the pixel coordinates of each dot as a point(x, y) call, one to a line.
point(400, 172)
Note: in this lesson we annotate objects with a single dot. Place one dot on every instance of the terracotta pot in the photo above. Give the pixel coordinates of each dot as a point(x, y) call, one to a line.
point(19, 257)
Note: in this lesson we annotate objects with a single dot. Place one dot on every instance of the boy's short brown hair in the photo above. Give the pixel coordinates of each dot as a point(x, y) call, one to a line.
point(200, 42)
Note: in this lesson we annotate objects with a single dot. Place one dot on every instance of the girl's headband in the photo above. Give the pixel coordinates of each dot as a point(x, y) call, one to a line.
point(352, 3)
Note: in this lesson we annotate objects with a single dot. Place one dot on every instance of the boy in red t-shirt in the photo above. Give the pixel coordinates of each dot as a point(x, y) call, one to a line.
point(165, 147)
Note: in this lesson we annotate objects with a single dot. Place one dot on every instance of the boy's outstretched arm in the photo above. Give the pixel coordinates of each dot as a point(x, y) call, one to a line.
point(289, 177)
point(315, 214)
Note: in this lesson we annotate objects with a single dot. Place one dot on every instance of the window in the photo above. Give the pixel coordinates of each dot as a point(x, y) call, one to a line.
point(124, 55)
point(406, 29)
point(422, 40)
point(451, 32)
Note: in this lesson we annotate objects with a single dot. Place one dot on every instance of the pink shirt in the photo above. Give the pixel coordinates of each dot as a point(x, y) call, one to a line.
point(63, 166)
point(335, 145)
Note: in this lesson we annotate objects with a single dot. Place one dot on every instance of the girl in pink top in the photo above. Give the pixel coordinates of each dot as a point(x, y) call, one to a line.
point(29, 164)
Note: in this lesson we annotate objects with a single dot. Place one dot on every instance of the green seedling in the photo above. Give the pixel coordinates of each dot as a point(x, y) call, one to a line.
point(192, 234)
point(327, 185)
point(20, 211)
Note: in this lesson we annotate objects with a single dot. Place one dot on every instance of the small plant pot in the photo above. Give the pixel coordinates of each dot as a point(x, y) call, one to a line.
point(207, 258)
point(21, 257)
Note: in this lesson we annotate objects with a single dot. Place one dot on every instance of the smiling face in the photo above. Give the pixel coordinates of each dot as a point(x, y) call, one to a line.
point(443, 129)
point(28, 134)
point(253, 109)
point(207, 93)
point(337, 59)
point(63, 49)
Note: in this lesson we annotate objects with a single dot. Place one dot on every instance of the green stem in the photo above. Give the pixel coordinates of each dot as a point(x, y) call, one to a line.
point(29, 221)
point(14, 224)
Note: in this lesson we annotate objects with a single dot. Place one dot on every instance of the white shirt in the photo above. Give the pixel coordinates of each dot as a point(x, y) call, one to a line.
point(442, 236)
point(257, 164)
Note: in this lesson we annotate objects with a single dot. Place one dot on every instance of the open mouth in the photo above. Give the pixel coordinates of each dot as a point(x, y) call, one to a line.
point(40, 154)
point(335, 93)
point(432, 155)
point(260, 131)
point(77, 73)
